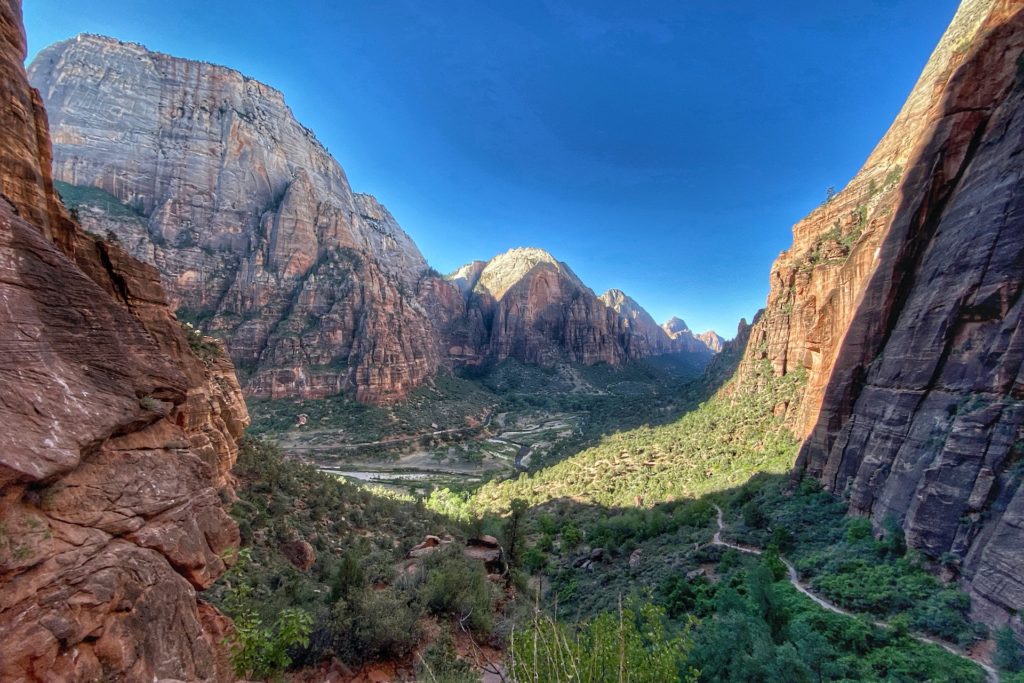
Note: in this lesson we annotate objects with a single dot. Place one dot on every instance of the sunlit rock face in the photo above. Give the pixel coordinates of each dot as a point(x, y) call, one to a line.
point(525, 304)
point(207, 175)
point(117, 440)
point(901, 298)
point(249, 219)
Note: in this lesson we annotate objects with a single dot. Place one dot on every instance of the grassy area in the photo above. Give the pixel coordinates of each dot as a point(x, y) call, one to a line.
point(719, 444)
point(77, 196)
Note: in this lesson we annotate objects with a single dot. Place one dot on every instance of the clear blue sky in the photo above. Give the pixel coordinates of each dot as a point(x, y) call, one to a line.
point(662, 147)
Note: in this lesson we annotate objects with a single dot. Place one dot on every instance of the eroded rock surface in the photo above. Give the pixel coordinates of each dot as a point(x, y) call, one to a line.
point(117, 439)
point(252, 223)
point(525, 304)
point(901, 299)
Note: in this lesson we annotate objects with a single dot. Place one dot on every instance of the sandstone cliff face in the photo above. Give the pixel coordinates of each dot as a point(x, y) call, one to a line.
point(684, 339)
point(816, 284)
point(117, 440)
point(901, 297)
point(251, 222)
point(527, 305)
point(712, 340)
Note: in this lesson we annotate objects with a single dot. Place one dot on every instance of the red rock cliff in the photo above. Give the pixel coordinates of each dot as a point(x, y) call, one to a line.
point(901, 298)
point(117, 439)
point(207, 175)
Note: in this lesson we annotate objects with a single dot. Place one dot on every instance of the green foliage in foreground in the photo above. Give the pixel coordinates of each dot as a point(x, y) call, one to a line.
point(719, 444)
point(258, 650)
point(1009, 653)
point(756, 627)
point(635, 644)
point(351, 604)
point(845, 562)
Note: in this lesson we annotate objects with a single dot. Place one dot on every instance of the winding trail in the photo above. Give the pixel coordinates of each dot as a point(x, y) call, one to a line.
point(990, 673)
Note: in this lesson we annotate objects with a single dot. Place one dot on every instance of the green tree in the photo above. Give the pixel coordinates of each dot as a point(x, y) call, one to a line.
point(1009, 654)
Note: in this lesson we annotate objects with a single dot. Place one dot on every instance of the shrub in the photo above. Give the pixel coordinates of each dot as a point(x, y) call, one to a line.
point(369, 625)
point(1009, 654)
point(458, 587)
point(441, 664)
point(261, 652)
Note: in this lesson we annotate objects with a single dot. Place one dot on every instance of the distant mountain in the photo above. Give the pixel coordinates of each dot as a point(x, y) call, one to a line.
point(712, 340)
point(639, 322)
point(526, 304)
point(684, 339)
point(259, 239)
point(674, 326)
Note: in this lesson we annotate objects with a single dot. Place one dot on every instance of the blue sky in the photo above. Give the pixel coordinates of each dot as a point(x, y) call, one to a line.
point(662, 147)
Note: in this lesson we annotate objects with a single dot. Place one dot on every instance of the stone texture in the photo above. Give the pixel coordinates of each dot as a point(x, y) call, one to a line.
point(901, 298)
point(645, 336)
point(525, 304)
point(251, 222)
point(206, 174)
point(117, 440)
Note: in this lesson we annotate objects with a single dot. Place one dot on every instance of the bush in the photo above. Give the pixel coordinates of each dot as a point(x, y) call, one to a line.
point(458, 587)
point(1009, 654)
point(261, 652)
point(369, 625)
point(441, 664)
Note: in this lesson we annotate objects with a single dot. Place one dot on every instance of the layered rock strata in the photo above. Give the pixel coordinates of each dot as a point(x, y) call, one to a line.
point(901, 299)
point(250, 220)
point(117, 440)
point(525, 304)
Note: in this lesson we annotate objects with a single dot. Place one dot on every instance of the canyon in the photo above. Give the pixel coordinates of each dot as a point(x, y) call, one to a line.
point(179, 198)
point(206, 174)
point(900, 299)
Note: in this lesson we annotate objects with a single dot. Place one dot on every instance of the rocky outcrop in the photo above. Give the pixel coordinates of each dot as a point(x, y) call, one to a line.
point(815, 286)
point(207, 175)
point(644, 334)
point(685, 341)
point(712, 340)
point(901, 299)
point(118, 440)
point(525, 304)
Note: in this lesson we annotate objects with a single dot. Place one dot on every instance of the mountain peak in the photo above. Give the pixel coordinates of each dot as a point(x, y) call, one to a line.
point(505, 270)
point(674, 326)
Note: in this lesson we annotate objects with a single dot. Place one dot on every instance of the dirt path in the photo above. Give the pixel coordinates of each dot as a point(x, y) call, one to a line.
point(990, 673)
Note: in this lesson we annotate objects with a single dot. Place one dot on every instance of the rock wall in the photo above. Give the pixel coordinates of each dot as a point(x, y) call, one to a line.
point(525, 304)
point(249, 219)
point(117, 440)
point(901, 297)
point(206, 174)
point(816, 285)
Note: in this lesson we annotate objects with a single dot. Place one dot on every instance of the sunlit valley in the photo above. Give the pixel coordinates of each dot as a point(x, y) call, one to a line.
point(250, 433)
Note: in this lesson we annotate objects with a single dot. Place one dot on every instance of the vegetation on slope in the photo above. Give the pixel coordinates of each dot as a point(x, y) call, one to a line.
point(352, 602)
point(719, 444)
point(627, 521)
